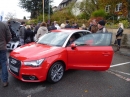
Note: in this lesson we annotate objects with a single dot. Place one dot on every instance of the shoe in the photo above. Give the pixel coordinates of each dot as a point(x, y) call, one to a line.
point(5, 84)
point(118, 49)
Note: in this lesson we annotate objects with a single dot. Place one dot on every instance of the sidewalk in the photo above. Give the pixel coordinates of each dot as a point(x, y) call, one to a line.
point(123, 50)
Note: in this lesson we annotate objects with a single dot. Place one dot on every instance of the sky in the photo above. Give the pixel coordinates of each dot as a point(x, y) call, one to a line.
point(11, 6)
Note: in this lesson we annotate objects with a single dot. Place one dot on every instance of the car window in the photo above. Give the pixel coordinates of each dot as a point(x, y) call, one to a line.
point(74, 37)
point(95, 39)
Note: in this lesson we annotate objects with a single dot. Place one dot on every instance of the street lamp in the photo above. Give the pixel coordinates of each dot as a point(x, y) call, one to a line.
point(49, 12)
point(43, 9)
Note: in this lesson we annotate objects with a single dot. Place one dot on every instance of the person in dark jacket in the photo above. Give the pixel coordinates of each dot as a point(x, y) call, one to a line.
point(119, 35)
point(52, 27)
point(5, 37)
point(101, 27)
point(67, 24)
point(28, 35)
point(21, 32)
point(36, 28)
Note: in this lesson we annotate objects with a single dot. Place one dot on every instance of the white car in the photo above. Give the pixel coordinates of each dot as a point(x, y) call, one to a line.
point(14, 43)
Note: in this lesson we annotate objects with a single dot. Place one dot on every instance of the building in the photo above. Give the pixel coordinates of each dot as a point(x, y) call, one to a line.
point(120, 9)
point(64, 4)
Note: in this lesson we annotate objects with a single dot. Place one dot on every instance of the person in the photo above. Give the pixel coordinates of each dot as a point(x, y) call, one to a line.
point(101, 27)
point(41, 31)
point(52, 27)
point(83, 27)
point(36, 28)
point(5, 37)
point(93, 27)
point(119, 35)
point(67, 25)
point(56, 25)
point(75, 26)
point(21, 33)
point(28, 35)
point(62, 26)
point(90, 24)
point(71, 40)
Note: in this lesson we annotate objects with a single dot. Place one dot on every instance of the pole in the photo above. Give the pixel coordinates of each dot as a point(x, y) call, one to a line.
point(49, 13)
point(43, 9)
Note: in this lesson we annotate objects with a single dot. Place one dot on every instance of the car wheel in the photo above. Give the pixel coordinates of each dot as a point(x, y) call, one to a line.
point(56, 72)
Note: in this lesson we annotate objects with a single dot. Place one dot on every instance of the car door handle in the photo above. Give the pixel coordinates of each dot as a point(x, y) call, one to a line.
point(106, 53)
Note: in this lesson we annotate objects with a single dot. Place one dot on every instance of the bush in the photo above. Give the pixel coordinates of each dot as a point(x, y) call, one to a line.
point(99, 13)
point(125, 23)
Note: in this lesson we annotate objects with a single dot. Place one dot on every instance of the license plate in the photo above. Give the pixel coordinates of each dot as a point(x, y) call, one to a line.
point(13, 68)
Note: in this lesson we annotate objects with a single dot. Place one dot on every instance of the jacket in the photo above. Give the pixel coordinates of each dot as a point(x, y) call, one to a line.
point(41, 31)
point(28, 34)
point(5, 35)
point(119, 33)
point(22, 31)
point(102, 30)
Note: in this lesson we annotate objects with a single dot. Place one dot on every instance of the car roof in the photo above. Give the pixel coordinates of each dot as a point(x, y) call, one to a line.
point(68, 30)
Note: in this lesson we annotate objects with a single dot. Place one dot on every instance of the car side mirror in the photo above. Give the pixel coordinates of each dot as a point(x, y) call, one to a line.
point(73, 45)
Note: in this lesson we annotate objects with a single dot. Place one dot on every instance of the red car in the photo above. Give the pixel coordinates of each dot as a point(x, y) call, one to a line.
point(58, 51)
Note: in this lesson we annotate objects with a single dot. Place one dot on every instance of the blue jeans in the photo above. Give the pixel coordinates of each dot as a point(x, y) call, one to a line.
point(3, 63)
point(119, 42)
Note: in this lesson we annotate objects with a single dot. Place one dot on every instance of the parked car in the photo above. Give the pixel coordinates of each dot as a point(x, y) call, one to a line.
point(14, 43)
point(53, 54)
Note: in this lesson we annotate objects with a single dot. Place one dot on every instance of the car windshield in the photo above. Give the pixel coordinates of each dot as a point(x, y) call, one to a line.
point(53, 38)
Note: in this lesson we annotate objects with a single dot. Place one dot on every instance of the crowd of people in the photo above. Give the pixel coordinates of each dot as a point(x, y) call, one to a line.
point(30, 33)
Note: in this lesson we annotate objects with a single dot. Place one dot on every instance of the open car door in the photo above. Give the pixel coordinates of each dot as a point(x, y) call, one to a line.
point(91, 52)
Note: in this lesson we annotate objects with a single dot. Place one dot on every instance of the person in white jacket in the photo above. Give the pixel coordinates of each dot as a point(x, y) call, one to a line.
point(41, 31)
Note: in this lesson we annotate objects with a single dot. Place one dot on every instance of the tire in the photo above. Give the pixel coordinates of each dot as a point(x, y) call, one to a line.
point(56, 72)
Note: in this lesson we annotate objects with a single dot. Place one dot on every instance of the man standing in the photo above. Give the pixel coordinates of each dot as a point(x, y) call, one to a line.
point(67, 24)
point(5, 37)
point(93, 26)
point(21, 34)
point(101, 27)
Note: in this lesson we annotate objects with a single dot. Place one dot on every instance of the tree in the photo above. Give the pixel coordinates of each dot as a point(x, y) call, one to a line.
point(24, 18)
point(35, 7)
point(10, 16)
point(128, 9)
point(89, 6)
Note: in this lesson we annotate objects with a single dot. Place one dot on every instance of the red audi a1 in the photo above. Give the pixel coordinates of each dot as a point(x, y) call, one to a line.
point(60, 50)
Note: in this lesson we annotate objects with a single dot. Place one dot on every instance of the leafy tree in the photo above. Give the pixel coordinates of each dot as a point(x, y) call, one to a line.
point(89, 6)
point(24, 18)
point(35, 7)
point(128, 9)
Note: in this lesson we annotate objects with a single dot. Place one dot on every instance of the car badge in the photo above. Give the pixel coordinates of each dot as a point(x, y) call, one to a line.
point(13, 61)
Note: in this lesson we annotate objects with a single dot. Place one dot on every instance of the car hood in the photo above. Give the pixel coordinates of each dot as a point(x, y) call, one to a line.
point(34, 51)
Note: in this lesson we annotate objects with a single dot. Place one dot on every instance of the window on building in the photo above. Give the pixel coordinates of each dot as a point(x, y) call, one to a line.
point(118, 7)
point(107, 8)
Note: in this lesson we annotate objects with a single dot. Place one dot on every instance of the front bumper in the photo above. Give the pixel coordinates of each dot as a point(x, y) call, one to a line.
point(27, 73)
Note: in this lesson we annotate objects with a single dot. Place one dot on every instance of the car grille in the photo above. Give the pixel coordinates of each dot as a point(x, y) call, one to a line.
point(14, 65)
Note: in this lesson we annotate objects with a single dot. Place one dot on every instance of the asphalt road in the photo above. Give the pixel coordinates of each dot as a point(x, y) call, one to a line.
point(114, 82)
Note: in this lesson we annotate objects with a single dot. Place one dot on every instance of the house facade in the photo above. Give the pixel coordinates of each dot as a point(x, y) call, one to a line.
point(120, 8)
point(64, 4)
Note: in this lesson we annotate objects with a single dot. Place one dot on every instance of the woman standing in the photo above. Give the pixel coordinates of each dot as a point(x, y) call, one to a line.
point(28, 35)
point(42, 30)
point(119, 35)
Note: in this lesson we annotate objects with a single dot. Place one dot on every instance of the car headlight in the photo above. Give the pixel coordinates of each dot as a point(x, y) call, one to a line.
point(34, 63)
